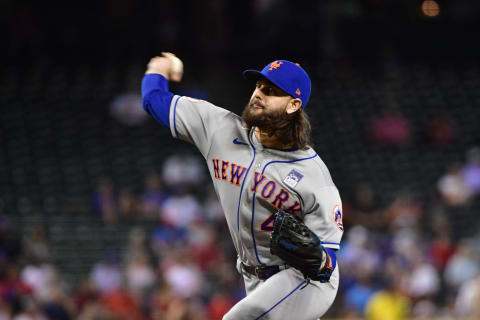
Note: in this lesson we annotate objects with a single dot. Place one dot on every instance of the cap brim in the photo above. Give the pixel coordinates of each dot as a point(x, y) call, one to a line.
point(252, 74)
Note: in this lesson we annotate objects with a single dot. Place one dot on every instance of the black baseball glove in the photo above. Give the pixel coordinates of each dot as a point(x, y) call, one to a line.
point(299, 247)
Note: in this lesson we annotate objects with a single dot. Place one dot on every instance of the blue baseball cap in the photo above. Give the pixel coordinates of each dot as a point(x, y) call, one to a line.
point(286, 75)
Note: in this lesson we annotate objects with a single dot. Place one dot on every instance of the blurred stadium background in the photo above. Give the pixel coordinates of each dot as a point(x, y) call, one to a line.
point(104, 216)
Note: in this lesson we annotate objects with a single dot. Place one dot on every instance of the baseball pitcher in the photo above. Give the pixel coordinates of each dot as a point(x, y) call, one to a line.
point(282, 207)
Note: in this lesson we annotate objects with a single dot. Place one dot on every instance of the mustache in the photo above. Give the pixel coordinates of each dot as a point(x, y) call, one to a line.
point(256, 101)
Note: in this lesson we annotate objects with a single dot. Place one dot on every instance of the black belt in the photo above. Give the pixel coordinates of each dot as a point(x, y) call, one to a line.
point(263, 272)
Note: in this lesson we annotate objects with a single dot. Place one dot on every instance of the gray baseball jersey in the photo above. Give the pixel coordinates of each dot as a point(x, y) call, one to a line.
point(242, 171)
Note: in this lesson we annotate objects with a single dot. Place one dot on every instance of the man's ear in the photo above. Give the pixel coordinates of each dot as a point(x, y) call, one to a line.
point(293, 105)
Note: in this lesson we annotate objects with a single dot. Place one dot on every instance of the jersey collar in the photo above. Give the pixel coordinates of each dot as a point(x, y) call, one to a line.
point(259, 146)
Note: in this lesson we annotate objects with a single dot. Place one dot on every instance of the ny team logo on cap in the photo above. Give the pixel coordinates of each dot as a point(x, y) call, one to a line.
point(275, 65)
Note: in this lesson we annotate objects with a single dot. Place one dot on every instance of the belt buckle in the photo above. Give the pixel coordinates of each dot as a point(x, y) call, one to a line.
point(257, 268)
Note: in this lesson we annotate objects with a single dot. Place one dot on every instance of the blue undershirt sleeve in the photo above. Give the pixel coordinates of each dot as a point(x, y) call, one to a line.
point(156, 98)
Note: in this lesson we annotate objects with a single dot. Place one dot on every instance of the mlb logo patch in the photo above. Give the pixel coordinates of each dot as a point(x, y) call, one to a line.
point(293, 178)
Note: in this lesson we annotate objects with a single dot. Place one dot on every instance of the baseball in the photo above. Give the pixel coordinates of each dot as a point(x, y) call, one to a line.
point(177, 64)
point(176, 69)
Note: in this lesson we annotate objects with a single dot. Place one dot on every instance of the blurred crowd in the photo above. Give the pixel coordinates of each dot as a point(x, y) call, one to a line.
point(182, 268)
point(411, 257)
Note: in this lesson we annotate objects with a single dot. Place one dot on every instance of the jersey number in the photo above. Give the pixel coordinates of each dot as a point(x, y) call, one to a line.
point(267, 225)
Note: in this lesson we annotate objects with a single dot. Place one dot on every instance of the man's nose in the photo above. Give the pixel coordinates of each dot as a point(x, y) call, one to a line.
point(258, 94)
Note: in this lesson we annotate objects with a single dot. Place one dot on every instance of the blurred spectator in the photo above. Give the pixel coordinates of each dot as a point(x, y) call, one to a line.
point(218, 306)
point(42, 278)
point(391, 303)
point(440, 221)
point(159, 300)
point(363, 208)
point(181, 210)
point(181, 309)
point(183, 172)
point(85, 295)
point(452, 187)
point(391, 128)
point(106, 275)
point(104, 200)
point(60, 306)
point(404, 211)
point(164, 240)
point(356, 254)
point(211, 207)
point(167, 306)
point(139, 274)
point(93, 310)
point(441, 250)
point(127, 109)
point(153, 196)
point(424, 281)
point(5, 311)
point(12, 287)
point(182, 275)
point(463, 266)
point(471, 171)
point(359, 263)
point(121, 305)
point(36, 245)
point(406, 244)
point(467, 303)
point(29, 310)
point(127, 203)
point(359, 293)
point(424, 309)
point(136, 243)
point(204, 246)
point(364, 199)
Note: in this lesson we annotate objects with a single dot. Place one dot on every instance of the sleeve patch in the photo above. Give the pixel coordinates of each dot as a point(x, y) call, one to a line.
point(337, 217)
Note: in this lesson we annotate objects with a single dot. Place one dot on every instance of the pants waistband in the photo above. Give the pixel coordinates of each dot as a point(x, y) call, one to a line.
point(263, 272)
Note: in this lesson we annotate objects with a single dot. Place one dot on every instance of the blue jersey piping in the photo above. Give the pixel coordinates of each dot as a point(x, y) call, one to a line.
point(337, 243)
point(175, 117)
point(276, 304)
point(235, 141)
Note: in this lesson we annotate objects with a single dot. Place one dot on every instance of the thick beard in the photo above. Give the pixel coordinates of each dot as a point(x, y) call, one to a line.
point(288, 129)
point(266, 121)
